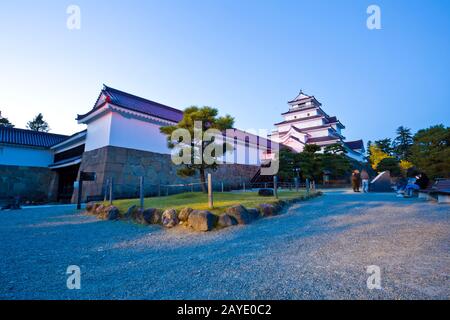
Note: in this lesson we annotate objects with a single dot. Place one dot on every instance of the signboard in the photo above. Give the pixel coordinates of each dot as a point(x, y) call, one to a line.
point(88, 176)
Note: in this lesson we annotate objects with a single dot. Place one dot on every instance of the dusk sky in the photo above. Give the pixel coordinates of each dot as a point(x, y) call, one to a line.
point(247, 58)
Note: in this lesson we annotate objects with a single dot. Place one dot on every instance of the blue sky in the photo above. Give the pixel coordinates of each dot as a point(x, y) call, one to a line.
point(247, 58)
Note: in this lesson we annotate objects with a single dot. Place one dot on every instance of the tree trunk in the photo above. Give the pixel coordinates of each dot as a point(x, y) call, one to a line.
point(203, 180)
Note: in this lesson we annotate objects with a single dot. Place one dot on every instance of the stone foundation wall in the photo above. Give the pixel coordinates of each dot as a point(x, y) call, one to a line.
point(125, 166)
point(33, 184)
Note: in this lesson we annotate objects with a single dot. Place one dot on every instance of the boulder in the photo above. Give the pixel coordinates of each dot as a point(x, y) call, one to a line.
point(152, 216)
point(99, 210)
point(225, 220)
point(267, 210)
point(202, 220)
point(254, 213)
point(241, 214)
point(137, 215)
point(130, 211)
point(266, 192)
point(184, 214)
point(91, 206)
point(169, 218)
point(111, 213)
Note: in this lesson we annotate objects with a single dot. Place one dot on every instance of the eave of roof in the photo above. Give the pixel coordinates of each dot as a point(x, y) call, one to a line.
point(140, 105)
point(30, 138)
point(300, 109)
point(322, 139)
point(300, 120)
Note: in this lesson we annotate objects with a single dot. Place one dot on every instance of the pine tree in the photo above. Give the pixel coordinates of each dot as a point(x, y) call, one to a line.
point(38, 124)
point(402, 143)
point(4, 122)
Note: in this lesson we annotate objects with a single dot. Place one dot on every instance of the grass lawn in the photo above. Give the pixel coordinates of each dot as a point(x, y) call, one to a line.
point(199, 201)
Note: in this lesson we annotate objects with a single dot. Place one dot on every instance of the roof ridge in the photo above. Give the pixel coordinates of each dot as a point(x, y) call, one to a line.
point(106, 88)
point(32, 131)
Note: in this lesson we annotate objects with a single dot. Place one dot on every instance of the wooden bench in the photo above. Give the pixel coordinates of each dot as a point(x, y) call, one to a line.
point(439, 191)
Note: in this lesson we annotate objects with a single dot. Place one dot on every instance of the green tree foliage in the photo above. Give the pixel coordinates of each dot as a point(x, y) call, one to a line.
point(402, 143)
point(4, 122)
point(287, 163)
point(390, 164)
point(336, 148)
point(38, 124)
point(311, 148)
point(385, 145)
point(312, 164)
point(369, 143)
point(430, 151)
point(209, 118)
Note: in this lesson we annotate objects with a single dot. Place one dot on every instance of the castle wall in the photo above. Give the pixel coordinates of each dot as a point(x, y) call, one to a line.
point(28, 183)
point(126, 165)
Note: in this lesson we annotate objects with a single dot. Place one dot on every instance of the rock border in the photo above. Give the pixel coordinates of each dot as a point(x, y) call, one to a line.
point(196, 220)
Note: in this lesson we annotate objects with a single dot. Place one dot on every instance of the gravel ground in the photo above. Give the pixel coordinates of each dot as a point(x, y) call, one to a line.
point(317, 250)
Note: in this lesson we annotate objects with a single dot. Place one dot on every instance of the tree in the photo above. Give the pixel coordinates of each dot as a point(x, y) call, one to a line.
point(312, 164)
point(402, 143)
point(376, 155)
point(336, 148)
point(430, 151)
point(385, 145)
point(208, 117)
point(311, 148)
point(287, 162)
point(38, 124)
point(405, 166)
point(4, 122)
point(369, 143)
point(390, 164)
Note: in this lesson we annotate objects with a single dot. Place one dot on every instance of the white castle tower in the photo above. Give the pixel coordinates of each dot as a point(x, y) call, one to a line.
point(307, 123)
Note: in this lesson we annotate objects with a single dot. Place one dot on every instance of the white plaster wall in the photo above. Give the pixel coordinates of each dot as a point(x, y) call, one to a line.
point(25, 156)
point(309, 123)
point(137, 134)
point(299, 115)
point(319, 133)
point(98, 132)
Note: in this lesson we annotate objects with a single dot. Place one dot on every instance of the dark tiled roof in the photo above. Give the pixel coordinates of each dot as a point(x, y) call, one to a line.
point(299, 109)
point(299, 120)
point(332, 119)
point(355, 145)
point(322, 139)
point(29, 137)
point(135, 103)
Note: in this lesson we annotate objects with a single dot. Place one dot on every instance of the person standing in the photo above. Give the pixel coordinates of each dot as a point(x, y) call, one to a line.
point(365, 180)
point(356, 180)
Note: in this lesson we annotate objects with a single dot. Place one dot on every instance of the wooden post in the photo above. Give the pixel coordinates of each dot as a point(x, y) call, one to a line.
point(80, 191)
point(141, 192)
point(243, 185)
point(275, 186)
point(222, 186)
point(210, 192)
point(296, 184)
point(111, 184)
point(106, 191)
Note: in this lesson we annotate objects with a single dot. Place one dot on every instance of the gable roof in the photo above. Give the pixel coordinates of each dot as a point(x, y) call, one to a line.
point(29, 137)
point(135, 103)
point(303, 98)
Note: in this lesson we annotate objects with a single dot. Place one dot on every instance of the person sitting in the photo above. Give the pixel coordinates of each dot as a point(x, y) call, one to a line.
point(423, 181)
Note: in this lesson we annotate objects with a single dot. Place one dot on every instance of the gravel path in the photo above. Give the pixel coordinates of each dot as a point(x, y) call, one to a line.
point(316, 250)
